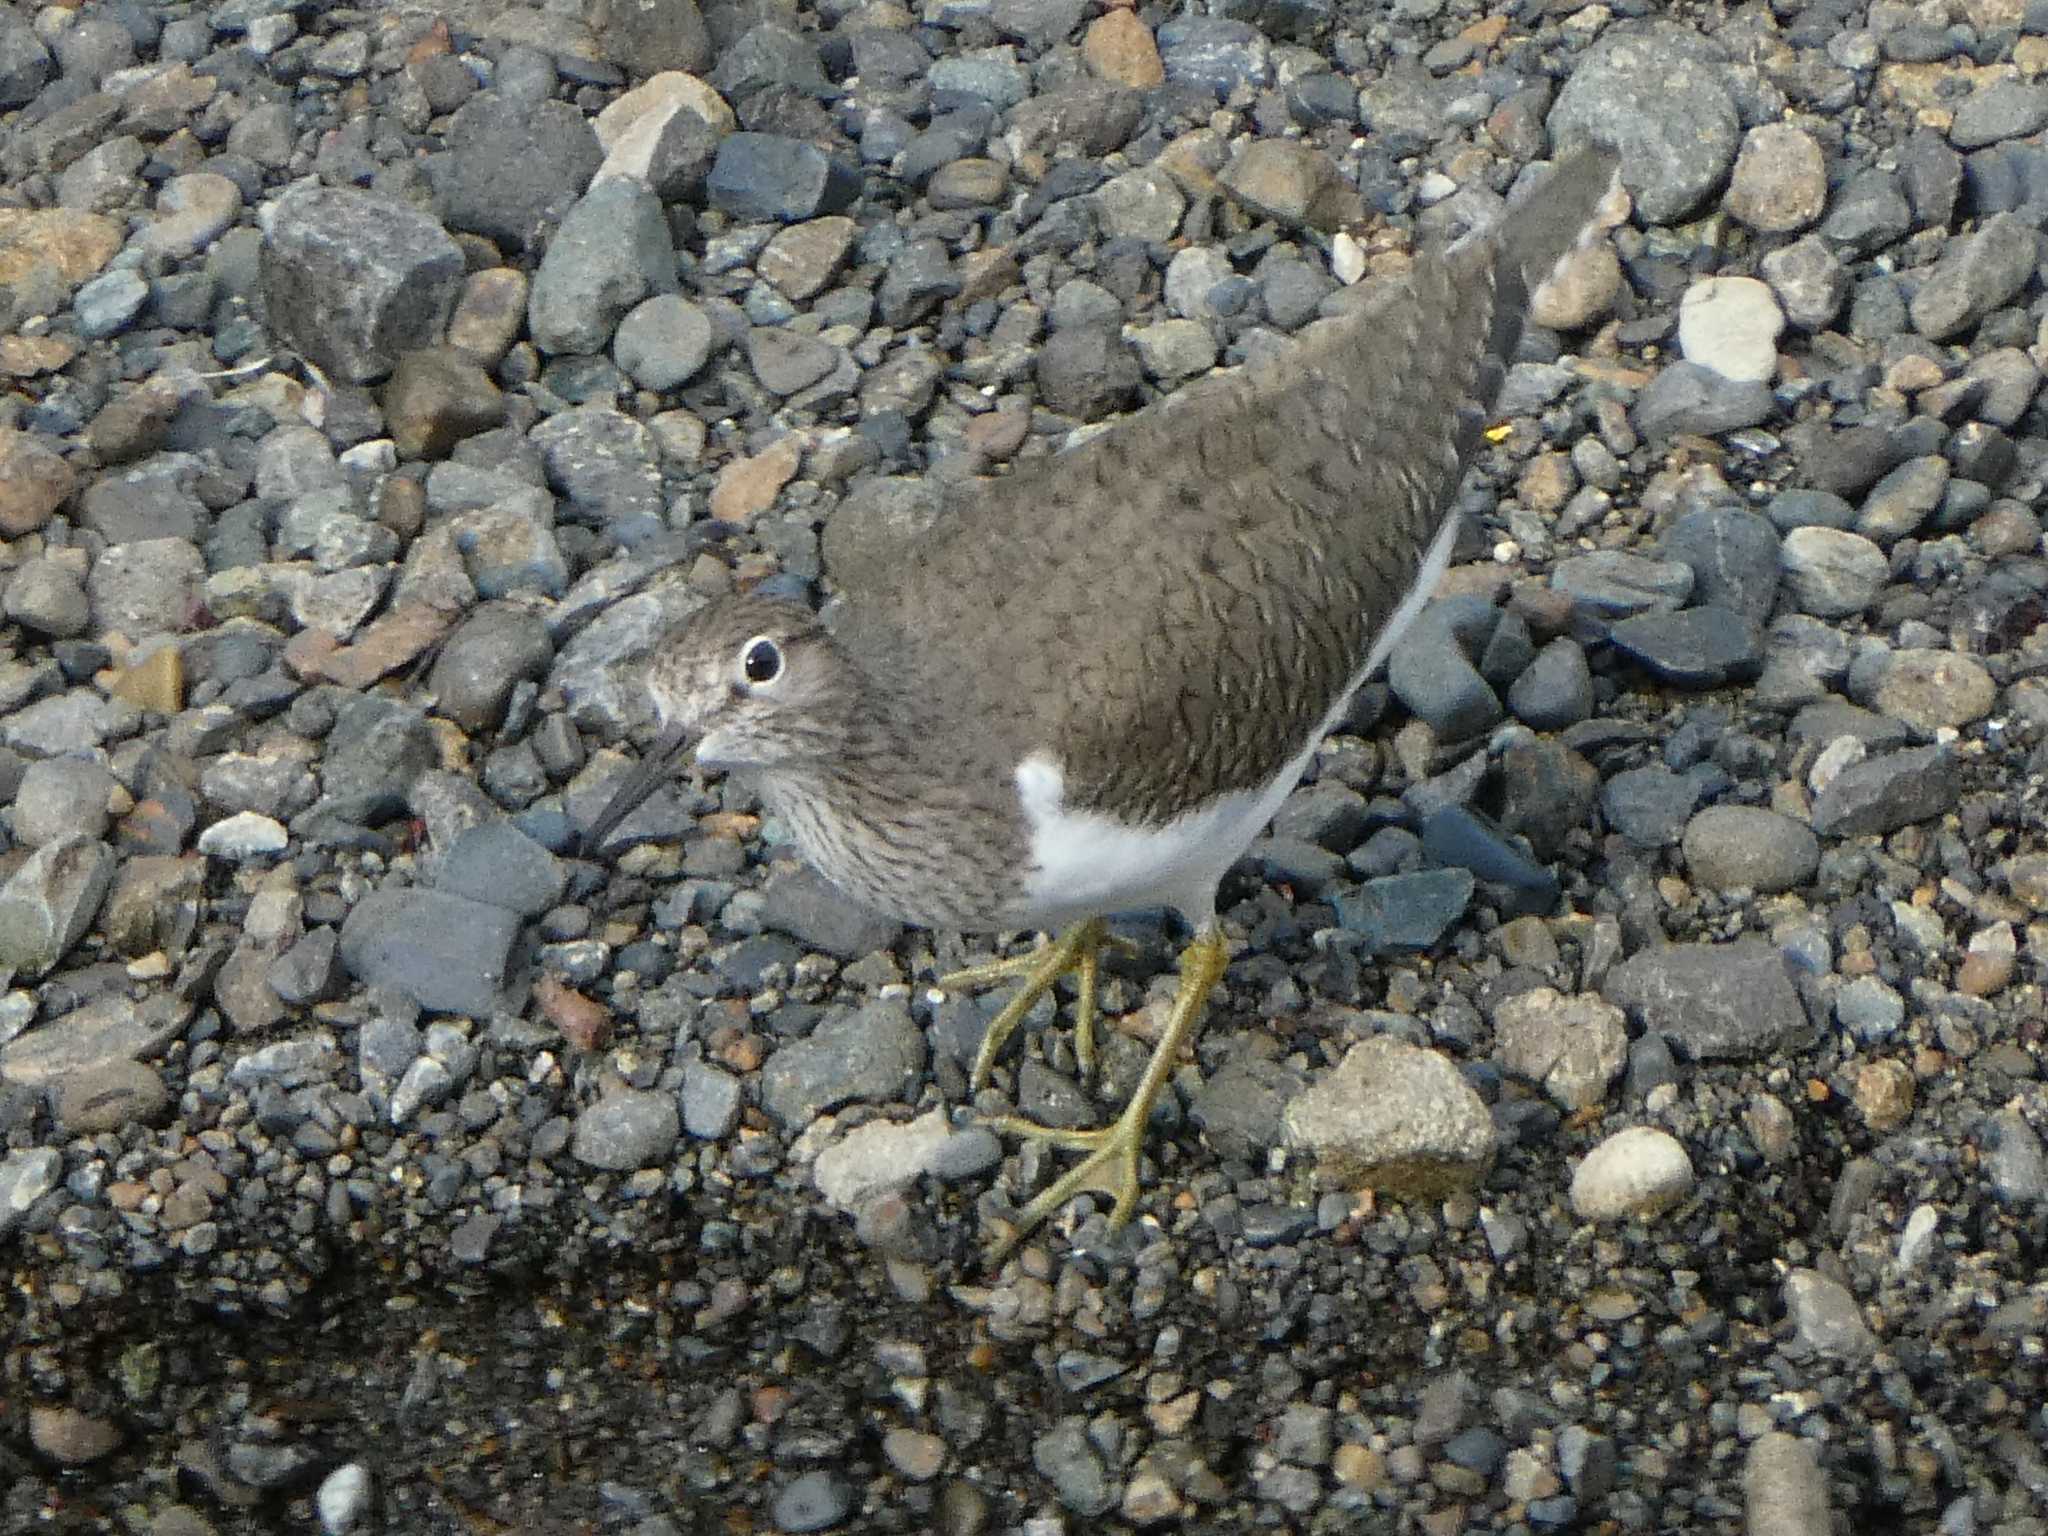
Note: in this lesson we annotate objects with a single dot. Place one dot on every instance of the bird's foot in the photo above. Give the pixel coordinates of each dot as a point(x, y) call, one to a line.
point(1112, 1161)
point(1078, 950)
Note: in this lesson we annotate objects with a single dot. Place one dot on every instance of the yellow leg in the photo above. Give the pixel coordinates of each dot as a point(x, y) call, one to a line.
point(1112, 1161)
point(1079, 950)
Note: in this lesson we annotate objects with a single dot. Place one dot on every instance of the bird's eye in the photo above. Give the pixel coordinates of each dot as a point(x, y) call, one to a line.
point(760, 660)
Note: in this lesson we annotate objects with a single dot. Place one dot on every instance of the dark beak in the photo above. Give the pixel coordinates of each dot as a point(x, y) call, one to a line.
point(653, 770)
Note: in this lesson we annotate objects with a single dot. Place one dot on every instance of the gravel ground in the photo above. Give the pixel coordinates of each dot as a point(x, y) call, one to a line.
point(1625, 1110)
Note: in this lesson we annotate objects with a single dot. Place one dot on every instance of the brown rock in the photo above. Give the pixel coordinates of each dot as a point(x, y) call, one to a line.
point(489, 313)
point(801, 259)
point(72, 245)
point(30, 357)
point(1580, 291)
point(437, 396)
point(1292, 183)
point(34, 481)
point(155, 683)
point(1119, 48)
point(1884, 1093)
point(749, 486)
point(1780, 181)
point(135, 422)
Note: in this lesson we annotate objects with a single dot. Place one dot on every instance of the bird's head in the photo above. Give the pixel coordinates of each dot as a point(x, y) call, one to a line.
point(752, 682)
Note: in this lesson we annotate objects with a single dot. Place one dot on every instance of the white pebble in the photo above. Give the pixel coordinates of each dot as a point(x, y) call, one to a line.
point(1731, 325)
point(343, 1499)
point(1641, 1171)
point(244, 835)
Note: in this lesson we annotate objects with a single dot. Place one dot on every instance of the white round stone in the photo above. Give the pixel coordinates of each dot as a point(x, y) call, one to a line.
point(1641, 1171)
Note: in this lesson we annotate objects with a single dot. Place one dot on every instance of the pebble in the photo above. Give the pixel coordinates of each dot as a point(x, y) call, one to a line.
point(1635, 1174)
point(1396, 1118)
point(70, 1438)
point(343, 1499)
point(1656, 93)
point(1575, 1047)
point(874, 1053)
point(1825, 1318)
point(1880, 794)
point(1718, 1002)
point(1702, 647)
point(813, 1501)
point(1977, 274)
point(351, 278)
point(447, 953)
point(1784, 1491)
point(1745, 847)
point(770, 176)
point(627, 1129)
point(612, 250)
point(1930, 690)
point(1555, 690)
point(1779, 184)
point(1833, 573)
point(1731, 325)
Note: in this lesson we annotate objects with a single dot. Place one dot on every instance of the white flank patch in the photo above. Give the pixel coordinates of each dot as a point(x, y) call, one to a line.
point(1085, 864)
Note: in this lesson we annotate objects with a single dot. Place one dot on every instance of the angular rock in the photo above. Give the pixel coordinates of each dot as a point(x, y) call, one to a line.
point(352, 279)
point(1396, 1118)
point(1717, 1002)
point(447, 953)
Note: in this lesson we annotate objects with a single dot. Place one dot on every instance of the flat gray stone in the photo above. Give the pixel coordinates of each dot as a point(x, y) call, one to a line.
point(447, 953)
point(1718, 1002)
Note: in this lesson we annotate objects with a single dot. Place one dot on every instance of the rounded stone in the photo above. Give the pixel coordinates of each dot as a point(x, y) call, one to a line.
point(627, 1131)
point(663, 341)
point(1745, 847)
point(1930, 689)
point(1639, 1172)
point(1780, 181)
point(1832, 572)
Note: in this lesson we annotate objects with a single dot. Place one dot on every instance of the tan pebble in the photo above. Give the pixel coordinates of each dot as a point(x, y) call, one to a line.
point(1884, 1093)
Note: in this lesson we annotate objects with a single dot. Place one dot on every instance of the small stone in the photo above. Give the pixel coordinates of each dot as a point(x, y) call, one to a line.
point(613, 249)
point(2005, 109)
point(1649, 805)
point(1718, 1002)
point(663, 342)
point(1065, 1457)
point(803, 258)
point(1881, 794)
point(108, 1097)
point(1977, 273)
point(626, 1130)
point(879, 1157)
point(1555, 690)
point(436, 397)
point(352, 279)
point(343, 1499)
point(1119, 48)
point(1634, 1174)
point(1825, 1318)
point(1703, 647)
point(1780, 181)
point(1144, 204)
point(1393, 1117)
point(1291, 182)
point(747, 487)
point(49, 902)
point(1687, 398)
point(1929, 690)
point(68, 1437)
point(1883, 1093)
point(1904, 499)
point(1579, 290)
point(875, 1054)
point(489, 314)
point(1743, 847)
point(447, 953)
point(34, 482)
point(1575, 1047)
point(1731, 325)
point(1833, 573)
point(1784, 1491)
point(1657, 93)
point(770, 177)
point(1809, 280)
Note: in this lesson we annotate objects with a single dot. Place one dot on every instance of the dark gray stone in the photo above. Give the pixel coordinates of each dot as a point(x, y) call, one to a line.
point(1881, 794)
point(512, 169)
point(612, 251)
point(1690, 398)
point(1406, 912)
point(811, 909)
point(495, 863)
point(876, 1054)
point(1733, 556)
point(352, 279)
point(1649, 805)
point(1694, 648)
point(1716, 1002)
point(446, 953)
point(490, 653)
point(1977, 273)
point(1087, 372)
point(1555, 690)
point(627, 1130)
point(769, 176)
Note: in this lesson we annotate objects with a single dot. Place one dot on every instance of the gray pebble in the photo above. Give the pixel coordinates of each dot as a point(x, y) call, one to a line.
point(1743, 847)
point(627, 1130)
point(1717, 1002)
point(874, 1054)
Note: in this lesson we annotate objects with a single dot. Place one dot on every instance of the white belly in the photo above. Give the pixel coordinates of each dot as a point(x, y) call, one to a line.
point(1085, 864)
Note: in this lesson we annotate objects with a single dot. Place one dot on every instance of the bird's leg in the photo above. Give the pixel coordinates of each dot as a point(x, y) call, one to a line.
point(1077, 950)
point(1112, 1161)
